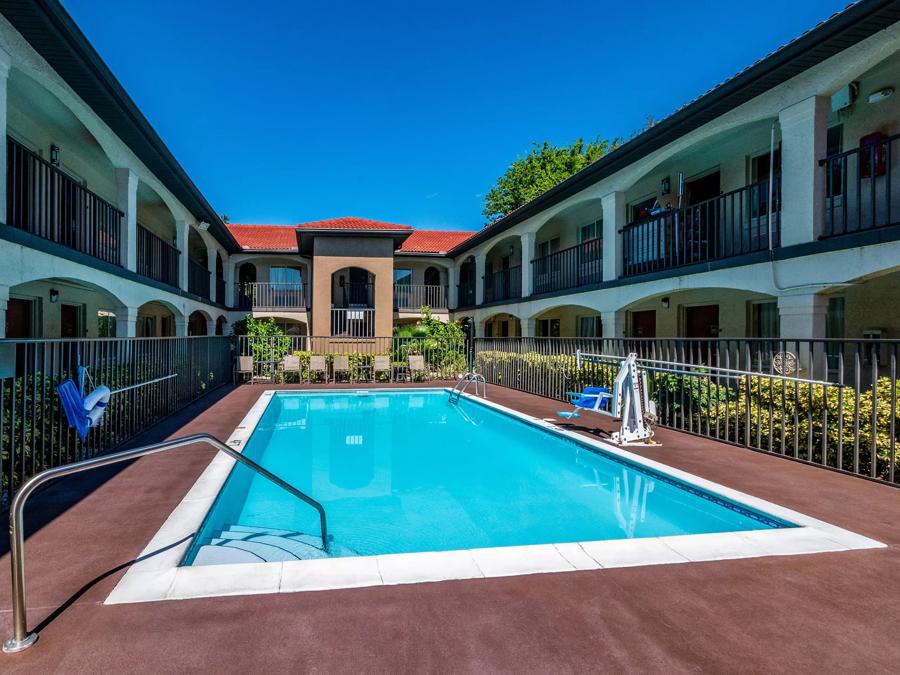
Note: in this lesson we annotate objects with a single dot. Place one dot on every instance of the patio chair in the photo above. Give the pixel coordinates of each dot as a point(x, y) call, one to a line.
point(318, 366)
point(416, 366)
point(291, 364)
point(341, 364)
point(382, 365)
point(244, 367)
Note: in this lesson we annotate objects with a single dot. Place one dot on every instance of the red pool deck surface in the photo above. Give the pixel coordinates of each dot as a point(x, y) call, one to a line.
point(829, 612)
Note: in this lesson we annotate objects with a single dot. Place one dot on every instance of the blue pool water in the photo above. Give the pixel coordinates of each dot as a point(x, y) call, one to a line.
point(406, 471)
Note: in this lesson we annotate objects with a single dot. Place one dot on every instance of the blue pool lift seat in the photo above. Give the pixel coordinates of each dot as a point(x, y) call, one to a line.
point(593, 399)
point(85, 412)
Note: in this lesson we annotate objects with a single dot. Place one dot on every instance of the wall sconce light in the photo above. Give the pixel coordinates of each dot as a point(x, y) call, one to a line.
point(665, 186)
point(203, 226)
point(54, 296)
point(54, 155)
point(665, 302)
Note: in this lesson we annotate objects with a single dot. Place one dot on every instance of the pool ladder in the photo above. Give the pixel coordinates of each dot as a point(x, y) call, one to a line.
point(461, 385)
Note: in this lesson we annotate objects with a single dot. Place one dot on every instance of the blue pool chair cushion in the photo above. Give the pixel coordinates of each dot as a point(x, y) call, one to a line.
point(73, 406)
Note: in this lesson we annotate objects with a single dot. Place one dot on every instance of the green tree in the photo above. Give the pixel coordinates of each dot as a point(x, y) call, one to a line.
point(543, 167)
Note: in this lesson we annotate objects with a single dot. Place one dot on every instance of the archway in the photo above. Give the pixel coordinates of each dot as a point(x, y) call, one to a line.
point(568, 321)
point(197, 323)
point(221, 325)
point(503, 270)
point(58, 307)
point(157, 251)
point(432, 276)
point(156, 319)
point(353, 302)
point(501, 325)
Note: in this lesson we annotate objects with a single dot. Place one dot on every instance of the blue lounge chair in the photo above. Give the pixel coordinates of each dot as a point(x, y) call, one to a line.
point(594, 399)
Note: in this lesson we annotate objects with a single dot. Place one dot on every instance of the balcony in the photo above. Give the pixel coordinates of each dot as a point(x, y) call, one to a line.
point(271, 296)
point(46, 202)
point(503, 284)
point(353, 322)
point(466, 293)
point(862, 187)
point(156, 259)
point(580, 265)
point(198, 279)
point(410, 297)
point(732, 224)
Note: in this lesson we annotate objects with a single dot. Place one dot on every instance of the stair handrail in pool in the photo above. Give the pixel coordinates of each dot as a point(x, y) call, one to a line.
point(21, 638)
point(465, 380)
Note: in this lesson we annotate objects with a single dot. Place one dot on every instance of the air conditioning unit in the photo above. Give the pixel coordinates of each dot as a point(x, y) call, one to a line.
point(844, 97)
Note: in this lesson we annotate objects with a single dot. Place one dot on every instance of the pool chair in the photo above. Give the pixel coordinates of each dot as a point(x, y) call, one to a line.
point(592, 399)
point(291, 364)
point(382, 365)
point(341, 364)
point(318, 366)
point(416, 366)
point(243, 368)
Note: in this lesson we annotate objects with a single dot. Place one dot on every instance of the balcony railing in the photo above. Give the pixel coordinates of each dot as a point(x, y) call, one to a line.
point(579, 265)
point(354, 295)
point(732, 224)
point(198, 279)
point(503, 285)
point(466, 294)
point(353, 322)
point(862, 189)
point(220, 290)
point(267, 296)
point(156, 259)
point(46, 202)
point(413, 296)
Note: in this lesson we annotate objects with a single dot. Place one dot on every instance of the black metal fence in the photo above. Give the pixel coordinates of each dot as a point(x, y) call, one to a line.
point(34, 434)
point(503, 284)
point(827, 402)
point(198, 279)
point(575, 266)
point(156, 258)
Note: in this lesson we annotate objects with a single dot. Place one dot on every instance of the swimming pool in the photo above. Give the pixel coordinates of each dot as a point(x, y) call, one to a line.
point(409, 471)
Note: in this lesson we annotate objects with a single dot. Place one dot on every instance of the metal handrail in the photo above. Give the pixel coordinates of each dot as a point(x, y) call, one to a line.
point(21, 638)
point(465, 380)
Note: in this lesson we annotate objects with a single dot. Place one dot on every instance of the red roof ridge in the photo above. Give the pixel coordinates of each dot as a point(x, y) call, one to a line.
point(351, 223)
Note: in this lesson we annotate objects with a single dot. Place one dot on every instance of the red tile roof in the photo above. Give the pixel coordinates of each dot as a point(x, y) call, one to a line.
point(434, 241)
point(264, 237)
point(350, 223)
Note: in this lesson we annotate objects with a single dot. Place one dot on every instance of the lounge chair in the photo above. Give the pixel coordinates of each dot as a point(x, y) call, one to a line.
point(382, 365)
point(341, 364)
point(244, 367)
point(318, 366)
point(416, 365)
point(291, 364)
point(592, 399)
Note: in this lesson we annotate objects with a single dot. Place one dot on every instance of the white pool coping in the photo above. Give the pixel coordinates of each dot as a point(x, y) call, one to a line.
point(159, 577)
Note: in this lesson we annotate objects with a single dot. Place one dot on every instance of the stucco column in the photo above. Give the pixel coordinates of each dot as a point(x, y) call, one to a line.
point(5, 62)
point(181, 325)
point(803, 317)
point(4, 302)
point(182, 228)
point(211, 254)
point(210, 326)
point(479, 278)
point(613, 206)
point(126, 188)
point(126, 321)
point(804, 133)
point(452, 290)
point(527, 255)
point(527, 327)
point(613, 324)
point(230, 274)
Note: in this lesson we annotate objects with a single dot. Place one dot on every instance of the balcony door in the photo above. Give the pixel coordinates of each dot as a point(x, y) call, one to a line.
point(701, 232)
point(71, 321)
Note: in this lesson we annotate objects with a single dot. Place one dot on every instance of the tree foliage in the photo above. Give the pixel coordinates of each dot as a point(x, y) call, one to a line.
point(543, 167)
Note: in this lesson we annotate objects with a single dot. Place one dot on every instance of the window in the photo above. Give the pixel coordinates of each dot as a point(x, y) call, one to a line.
point(106, 324)
point(589, 326)
point(642, 208)
point(403, 277)
point(590, 241)
point(546, 248)
point(285, 275)
point(834, 328)
point(146, 326)
point(765, 321)
point(547, 327)
point(590, 231)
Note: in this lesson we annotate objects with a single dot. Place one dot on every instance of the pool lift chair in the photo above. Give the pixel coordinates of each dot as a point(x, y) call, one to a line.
point(628, 401)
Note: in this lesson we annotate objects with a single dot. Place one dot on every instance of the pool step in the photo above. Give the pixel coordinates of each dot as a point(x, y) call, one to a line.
point(244, 543)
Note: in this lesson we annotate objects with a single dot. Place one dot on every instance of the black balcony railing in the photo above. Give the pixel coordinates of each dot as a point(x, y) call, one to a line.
point(413, 296)
point(466, 294)
point(46, 202)
point(271, 296)
point(579, 265)
point(156, 259)
point(220, 290)
point(503, 284)
point(732, 224)
point(862, 188)
point(353, 322)
point(354, 295)
point(198, 279)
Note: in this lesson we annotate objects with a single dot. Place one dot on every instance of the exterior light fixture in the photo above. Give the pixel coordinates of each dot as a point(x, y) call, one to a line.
point(203, 226)
point(54, 155)
point(54, 296)
point(665, 186)
point(881, 95)
point(665, 302)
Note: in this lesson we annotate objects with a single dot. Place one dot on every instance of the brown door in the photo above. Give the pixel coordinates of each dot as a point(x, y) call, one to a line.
point(19, 318)
point(643, 324)
point(70, 316)
point(702, 324)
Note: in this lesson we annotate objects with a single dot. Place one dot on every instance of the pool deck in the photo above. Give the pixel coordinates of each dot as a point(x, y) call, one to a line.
point(826, 612)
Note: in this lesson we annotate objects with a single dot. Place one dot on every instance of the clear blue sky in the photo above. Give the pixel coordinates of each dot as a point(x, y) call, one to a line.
point(292, 111)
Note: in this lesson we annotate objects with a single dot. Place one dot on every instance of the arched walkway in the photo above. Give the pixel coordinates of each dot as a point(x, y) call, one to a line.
point(157, 319)
point(61, 308)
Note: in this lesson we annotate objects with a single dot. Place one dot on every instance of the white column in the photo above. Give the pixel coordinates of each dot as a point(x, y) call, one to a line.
point(182, 228)
point(4, 302)
point(452, 290)
point(613, 324)
point(527, 254)
point(230, 274)
point(5, 62)
point(127, 185)
point(180, 325)
point(804, 132)
point(126, 321)
point(210, 326)
point(527, 327)
point(211, 254)
point(479, 278)
point(804, 317)
point(613, 206)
